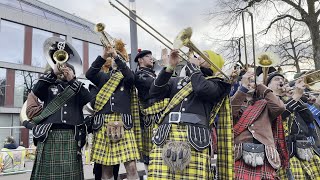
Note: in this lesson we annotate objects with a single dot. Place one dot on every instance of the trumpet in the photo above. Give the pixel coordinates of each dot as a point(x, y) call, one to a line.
point(100, 27)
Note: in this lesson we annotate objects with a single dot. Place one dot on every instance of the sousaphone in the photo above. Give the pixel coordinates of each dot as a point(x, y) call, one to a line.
point(57, 51)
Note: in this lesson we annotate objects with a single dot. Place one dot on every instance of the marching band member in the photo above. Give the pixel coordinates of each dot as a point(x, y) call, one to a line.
point(114, 121)
point(304, 163)
point(150, 108)
point(60, 130)
point(258, 136)
point(182, 140)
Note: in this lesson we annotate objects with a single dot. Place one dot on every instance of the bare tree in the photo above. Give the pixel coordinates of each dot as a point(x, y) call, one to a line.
point(292, 44)
point(305, 11)
point(29, 79)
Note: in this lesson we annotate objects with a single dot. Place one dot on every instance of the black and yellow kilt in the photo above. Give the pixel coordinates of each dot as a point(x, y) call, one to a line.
point(57, 158)
point(302, 170)
point(147, 144)
point(198, 168)
point(108, 153)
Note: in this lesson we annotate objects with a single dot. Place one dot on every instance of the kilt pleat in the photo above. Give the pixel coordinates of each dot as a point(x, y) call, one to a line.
point(246, 172)
point(147, 133)
point(198, 168)
point(57, 158)
point(108, 153)
point(302, 170)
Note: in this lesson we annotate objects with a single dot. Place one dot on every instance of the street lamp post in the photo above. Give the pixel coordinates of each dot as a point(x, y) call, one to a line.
point(133, 33)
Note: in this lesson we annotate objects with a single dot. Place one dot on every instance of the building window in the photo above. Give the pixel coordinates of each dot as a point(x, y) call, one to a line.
point(9, 120)
point(3, 84)
point(94, 51)
point(78, 45)
point(38, 38)
point(11, 42)
point(24, 82)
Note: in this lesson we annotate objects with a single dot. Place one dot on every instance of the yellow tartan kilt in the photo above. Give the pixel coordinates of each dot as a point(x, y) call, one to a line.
point(147, 143)
point(302, 170)
point(198, 168)
point(108, 153)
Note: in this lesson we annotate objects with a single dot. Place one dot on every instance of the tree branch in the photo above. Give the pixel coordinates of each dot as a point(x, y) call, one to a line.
point(296, 6)
point(280, 17)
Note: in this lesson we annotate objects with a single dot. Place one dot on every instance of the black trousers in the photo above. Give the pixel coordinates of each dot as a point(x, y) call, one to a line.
point(97, 171)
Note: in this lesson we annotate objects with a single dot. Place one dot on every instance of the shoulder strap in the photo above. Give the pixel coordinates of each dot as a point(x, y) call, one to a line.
point(178, 98)
point(106, 91)
point(249, 116)
point(57, 102)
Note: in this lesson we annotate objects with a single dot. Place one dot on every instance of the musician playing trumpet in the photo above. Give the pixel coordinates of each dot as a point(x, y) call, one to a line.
point(297, 118)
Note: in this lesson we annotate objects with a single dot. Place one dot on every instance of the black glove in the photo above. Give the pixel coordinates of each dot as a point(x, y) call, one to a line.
point(28, 124)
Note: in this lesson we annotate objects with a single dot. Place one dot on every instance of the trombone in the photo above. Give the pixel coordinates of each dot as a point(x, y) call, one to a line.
point(186, 39)
point(183, 39)
point(312, 80)
point(140, 25)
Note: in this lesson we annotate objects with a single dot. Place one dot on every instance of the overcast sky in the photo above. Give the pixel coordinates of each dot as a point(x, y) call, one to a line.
point(168, 17)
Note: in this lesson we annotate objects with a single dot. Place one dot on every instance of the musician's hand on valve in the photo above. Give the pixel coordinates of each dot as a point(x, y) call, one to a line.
point(109, 51)
point(67, 73)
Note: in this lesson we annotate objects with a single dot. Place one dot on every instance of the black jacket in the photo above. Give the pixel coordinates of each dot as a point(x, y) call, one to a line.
point(206, 93)
point(143, 79)
point(48, 87)
point(120, 100)
point(302, 118)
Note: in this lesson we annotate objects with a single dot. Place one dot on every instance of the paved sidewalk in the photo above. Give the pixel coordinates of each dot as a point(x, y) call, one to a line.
point(88, 175)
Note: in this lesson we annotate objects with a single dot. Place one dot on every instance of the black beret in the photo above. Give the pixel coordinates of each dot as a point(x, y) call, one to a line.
point(141, 54)
point(272, 75)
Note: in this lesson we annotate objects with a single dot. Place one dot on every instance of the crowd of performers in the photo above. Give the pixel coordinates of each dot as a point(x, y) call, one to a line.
point(174, 124)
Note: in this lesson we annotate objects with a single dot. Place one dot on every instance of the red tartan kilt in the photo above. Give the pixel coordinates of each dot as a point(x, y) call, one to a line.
point(244, 171)
point(214, 141)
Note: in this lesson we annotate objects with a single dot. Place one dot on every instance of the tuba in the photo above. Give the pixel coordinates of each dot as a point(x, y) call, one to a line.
point(266, 60)
point(57, 51)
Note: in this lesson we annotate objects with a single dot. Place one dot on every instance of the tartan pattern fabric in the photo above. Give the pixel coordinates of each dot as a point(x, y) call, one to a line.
point(157, 107)
point(177, 98)
point(147, 143)
point(198, 168)
point(225, 158)
point(54, 105)
point(296, 170)
point(251, 113)
point(280, 140)
point(57, 159)
point(136, 118)
point(153, 112)
point(108, 153)
point(301, 169)
point(106, 91)
point(245, 172)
